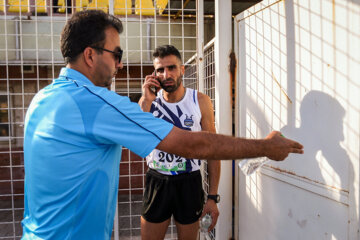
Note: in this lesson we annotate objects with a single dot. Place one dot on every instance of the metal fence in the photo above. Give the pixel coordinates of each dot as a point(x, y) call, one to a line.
point(30, 58)
point(191, 81)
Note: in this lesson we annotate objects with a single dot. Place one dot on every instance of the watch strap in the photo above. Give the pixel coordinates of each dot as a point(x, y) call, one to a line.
point(216, 197)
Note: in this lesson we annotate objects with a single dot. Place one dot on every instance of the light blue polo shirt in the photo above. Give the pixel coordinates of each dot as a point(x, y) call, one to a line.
point(74, 133)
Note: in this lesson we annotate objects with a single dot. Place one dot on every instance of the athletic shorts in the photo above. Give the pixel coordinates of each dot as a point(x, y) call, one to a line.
point(179, 195)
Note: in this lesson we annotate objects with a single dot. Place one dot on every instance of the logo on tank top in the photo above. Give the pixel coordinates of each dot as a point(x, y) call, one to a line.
point(188, 121)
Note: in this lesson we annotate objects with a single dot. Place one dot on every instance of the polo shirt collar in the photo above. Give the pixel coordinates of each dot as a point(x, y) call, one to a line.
point(70, 73)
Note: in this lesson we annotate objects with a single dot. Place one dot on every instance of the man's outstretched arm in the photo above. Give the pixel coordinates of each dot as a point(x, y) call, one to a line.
point(210, 146)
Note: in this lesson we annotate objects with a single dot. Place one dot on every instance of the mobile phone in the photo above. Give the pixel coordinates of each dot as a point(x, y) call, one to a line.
point(156, 89)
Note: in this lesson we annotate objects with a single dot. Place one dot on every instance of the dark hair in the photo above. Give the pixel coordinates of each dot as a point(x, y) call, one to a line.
point(84, 29)
point(166, 50)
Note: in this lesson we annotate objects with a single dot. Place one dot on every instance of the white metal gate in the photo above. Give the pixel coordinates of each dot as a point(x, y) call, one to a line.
point(299, 68)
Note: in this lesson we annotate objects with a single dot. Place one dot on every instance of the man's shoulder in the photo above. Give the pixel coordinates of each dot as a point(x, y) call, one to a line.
point(202, 97)
point(204, 102)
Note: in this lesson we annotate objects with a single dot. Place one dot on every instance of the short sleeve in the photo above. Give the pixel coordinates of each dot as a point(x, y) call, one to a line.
point(123, 122)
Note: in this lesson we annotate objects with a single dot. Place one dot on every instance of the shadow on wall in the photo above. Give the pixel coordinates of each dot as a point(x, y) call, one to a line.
point(325, 162)
point(321, 132)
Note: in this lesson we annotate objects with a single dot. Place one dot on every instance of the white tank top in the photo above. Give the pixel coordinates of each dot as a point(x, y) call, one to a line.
point(184, 114)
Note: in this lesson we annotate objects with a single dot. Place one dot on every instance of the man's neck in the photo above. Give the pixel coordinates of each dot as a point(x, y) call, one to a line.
point(176, 96)
point(78, 67)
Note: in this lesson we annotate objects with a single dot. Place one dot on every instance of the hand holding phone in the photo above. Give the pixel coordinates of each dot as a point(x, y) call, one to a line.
point(154, 88)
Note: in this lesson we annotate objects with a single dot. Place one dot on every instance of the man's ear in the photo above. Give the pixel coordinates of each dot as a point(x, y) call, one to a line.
point(182, 69)
point(89, 56)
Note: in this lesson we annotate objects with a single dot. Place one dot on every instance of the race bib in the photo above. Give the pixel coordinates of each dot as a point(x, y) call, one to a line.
point(169, 162)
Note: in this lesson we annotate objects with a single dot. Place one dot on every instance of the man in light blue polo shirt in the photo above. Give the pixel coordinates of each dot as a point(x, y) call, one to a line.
point(72, 133)
point(75, 129)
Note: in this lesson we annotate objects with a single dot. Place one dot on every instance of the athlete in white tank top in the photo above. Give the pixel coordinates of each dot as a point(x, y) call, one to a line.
point(186, 109)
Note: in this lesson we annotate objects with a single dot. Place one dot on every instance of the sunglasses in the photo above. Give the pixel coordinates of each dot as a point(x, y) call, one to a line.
point(117, 55)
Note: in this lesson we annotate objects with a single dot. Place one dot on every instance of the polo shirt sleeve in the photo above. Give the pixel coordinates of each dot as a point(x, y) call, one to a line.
point(121, 121)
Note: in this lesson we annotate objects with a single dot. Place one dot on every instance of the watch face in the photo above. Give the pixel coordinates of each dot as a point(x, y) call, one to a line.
point(217, 198)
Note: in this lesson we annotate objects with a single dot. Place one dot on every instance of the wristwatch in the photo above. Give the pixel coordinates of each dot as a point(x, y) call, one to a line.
point(216, 198)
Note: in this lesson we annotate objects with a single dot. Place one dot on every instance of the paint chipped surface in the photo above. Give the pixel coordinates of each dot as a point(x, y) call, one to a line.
point(301, 223)
point(307, 179)
point(290, 213)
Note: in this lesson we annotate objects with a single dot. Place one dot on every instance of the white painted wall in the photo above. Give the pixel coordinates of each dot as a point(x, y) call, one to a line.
point(299, 72)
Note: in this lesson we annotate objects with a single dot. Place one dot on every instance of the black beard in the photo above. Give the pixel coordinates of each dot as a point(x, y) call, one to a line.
point(172, 88)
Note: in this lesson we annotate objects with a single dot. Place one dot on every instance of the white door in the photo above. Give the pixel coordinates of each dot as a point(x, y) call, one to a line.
point(299, 73)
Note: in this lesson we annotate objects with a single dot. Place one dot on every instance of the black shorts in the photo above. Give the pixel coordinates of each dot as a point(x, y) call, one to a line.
point(179, 195)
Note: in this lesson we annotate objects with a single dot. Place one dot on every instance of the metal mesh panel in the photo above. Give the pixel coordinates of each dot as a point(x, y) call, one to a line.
point(190, 77)
point(209, 89)
point(30, 58)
